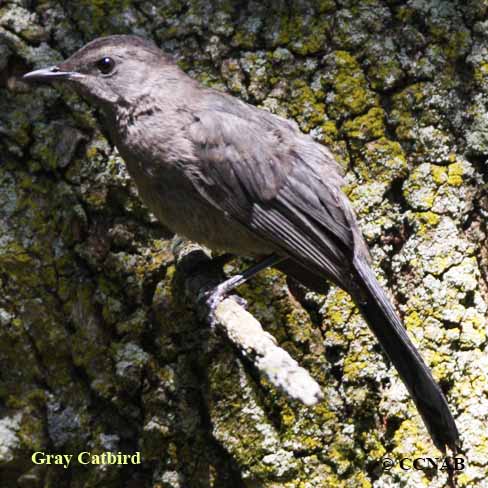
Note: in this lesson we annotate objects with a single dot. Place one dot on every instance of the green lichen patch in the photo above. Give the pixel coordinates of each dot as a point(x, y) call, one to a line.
point(347, 90)
point(403, 114)
point(303, 32)
point(16, 125)
point(308, 35)
point(381, 160)
point(256, 67)
point(455, 174)
point(410, 437)
point(384, 68)
point(247, 434)
point(337, 311)
point(357, 22)
point(247, 32)
point(304, 106)
point(365, 127)
point(234, 76)
point(426, 221)
point(98, 17)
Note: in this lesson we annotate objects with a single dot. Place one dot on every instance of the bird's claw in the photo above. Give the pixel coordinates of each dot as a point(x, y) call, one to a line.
point(212, 301)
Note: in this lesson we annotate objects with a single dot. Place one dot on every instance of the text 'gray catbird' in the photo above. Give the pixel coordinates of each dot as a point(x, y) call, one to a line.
point(237, 178)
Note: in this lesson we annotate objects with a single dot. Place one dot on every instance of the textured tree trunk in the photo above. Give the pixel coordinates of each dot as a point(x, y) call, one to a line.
point(99, 349)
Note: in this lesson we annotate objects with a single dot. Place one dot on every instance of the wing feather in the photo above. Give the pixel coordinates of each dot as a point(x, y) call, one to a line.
point(262, 171)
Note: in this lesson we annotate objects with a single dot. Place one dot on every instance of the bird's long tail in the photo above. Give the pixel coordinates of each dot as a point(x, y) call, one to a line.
point(386, 326)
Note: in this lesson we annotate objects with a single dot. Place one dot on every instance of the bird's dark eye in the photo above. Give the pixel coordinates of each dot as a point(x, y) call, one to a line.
point(105, 65)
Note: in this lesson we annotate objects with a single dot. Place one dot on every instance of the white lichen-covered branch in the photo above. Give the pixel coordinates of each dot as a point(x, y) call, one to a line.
point(237, 325)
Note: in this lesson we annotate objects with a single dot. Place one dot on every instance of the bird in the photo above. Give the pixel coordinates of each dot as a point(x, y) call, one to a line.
point(237, 178)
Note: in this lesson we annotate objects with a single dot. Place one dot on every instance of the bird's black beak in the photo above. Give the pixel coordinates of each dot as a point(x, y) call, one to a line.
point(47, 75)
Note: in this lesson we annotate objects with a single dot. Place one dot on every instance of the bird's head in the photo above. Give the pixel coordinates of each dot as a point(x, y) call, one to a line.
point(110, 70)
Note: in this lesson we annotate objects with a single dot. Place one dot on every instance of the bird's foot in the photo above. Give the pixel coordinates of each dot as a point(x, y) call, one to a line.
point(217, 295)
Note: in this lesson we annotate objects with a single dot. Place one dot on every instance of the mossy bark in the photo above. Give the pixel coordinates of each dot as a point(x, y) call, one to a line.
point(99, 350)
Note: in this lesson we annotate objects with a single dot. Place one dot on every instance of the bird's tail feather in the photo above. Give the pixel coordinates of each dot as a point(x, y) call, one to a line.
point(386, 326)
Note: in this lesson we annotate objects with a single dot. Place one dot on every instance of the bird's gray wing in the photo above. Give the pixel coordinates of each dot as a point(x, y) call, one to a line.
point(260, 170)
point(286, 189)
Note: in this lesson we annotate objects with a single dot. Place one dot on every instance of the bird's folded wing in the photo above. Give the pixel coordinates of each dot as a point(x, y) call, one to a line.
point(276, 181)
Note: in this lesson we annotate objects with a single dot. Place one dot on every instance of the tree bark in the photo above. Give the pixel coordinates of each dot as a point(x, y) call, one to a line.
point(100, 347)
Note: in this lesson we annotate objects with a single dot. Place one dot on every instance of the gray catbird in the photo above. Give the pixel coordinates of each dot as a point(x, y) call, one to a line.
point(237, 178)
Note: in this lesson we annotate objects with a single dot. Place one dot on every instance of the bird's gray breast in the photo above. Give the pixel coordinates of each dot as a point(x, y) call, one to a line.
point(176, 203)
point(158, 169)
